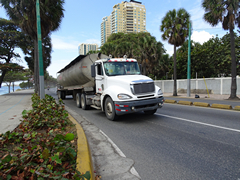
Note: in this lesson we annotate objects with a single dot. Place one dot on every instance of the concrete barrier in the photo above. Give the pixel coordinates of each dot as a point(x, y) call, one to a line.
point(170, 101)
point(202, 104)
point(237, 108)
point(185, 102)
point(221, 106)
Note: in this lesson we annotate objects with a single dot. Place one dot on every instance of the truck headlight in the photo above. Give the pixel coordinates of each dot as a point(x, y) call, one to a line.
point(160, 93)
point(123, 96)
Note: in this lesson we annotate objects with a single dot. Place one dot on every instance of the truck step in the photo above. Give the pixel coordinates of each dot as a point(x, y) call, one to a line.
point(95, 107)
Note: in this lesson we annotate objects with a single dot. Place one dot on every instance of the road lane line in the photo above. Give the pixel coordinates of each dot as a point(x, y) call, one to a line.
point(196, 122)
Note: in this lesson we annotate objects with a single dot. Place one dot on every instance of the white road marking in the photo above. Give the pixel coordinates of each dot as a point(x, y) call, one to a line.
point(132, 170)
point(196, 122)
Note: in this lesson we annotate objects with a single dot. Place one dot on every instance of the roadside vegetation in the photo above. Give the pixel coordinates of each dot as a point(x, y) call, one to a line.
point(43, 146)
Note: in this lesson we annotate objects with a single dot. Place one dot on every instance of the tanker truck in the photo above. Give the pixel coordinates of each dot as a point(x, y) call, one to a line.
point(113, 85)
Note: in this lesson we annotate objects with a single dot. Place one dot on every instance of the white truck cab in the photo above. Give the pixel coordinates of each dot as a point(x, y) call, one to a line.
point(121, 88)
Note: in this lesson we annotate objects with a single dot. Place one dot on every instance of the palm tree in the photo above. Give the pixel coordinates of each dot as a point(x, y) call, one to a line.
point(226, 12)
point(109, 49)
point(149, 48)
point(23, 13)
point(175, 27)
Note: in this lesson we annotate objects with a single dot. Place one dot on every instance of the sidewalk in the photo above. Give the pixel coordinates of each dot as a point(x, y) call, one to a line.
point(210, 96)
point(11, 107)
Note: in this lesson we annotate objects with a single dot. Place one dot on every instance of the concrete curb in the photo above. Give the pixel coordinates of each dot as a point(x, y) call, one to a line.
point(202, 104)
point(170, 101)
point(84, 158)
point(237, 108)
point(185, 102)
point(221, 106)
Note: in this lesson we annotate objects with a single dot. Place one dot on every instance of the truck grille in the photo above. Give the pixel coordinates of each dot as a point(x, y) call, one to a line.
point(142, 88)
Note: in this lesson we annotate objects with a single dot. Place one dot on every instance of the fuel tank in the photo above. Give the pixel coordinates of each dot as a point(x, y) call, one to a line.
point(78, 72)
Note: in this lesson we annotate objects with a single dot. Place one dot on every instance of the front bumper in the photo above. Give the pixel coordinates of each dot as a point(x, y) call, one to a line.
point(125, 107)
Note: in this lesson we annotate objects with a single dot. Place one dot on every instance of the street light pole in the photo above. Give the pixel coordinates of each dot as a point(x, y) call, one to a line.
point(189, 64)
point(40, 58)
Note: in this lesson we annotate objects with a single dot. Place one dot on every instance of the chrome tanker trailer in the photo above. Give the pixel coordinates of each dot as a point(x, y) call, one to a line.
point(113, 85)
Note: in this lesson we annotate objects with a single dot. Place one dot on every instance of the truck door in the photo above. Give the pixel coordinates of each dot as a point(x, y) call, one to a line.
point(99, 78)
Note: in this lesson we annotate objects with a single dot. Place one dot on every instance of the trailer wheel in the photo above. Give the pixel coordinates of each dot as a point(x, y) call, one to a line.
point(83, 102)
point(110, 109)
point(78, 100)
point(150, 112)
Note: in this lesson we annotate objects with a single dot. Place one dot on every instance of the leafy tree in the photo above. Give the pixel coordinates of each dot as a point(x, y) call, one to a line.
point(211, 59)
point(226, 12)
point(23, 13)
point(26, 85)
point(141, 46)
point(28, 49)
point(175, 27)
point(93, 52)
point(11, 77)
point(49, 80)
point(11, 38)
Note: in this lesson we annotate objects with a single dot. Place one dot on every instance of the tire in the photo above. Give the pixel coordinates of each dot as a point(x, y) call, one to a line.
point(150, 112)
point(110, 109)
point(63, 96)
point(59, 94)
point(78, 100)
point(83, 102)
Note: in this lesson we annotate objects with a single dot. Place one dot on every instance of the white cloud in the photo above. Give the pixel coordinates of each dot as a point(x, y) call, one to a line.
point(93, 41)
point(57, 66)
point(63, 44)
point(201, 36)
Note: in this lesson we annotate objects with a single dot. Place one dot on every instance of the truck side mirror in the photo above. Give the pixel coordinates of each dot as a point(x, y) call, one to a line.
point(93, 71)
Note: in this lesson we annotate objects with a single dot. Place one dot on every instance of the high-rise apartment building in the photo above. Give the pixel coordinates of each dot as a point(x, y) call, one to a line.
point(126, 17)
point(105, 28)
point(84, 48)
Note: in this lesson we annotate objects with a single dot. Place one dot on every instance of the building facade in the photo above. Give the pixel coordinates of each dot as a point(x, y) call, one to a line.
point(84, 48)
point(105, 29)
point(126, 17)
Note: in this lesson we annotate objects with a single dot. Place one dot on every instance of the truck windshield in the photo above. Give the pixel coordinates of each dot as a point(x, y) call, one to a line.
point(121, 68)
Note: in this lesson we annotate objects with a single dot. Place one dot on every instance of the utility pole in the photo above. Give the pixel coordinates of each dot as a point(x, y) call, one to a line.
point(189, 64)
point(40, 58)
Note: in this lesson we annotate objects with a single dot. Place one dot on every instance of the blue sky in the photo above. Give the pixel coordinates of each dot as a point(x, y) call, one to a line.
point(82, 24)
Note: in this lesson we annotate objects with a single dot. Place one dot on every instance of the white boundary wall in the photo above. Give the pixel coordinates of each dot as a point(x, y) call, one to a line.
point(217, 85)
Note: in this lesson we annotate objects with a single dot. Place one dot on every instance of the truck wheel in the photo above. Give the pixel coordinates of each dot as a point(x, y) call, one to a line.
point(150, 112)
point(83, 102)
point(59, 94)
point(63, 95)
point(110, 109)
point(78, 100)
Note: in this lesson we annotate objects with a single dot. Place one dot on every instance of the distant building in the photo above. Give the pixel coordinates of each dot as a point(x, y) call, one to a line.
point(105, 29)
point(125, 17)
point(84, 48)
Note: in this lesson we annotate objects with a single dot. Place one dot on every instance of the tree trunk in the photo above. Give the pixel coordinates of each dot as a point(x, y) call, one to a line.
point(2, 77)
point(9, 86)
point(36, 67)
point(175, 73)
point(234, 67)
point(13, 86)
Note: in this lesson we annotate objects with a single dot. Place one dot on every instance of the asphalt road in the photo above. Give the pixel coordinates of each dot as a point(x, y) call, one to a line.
point(178, 142)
